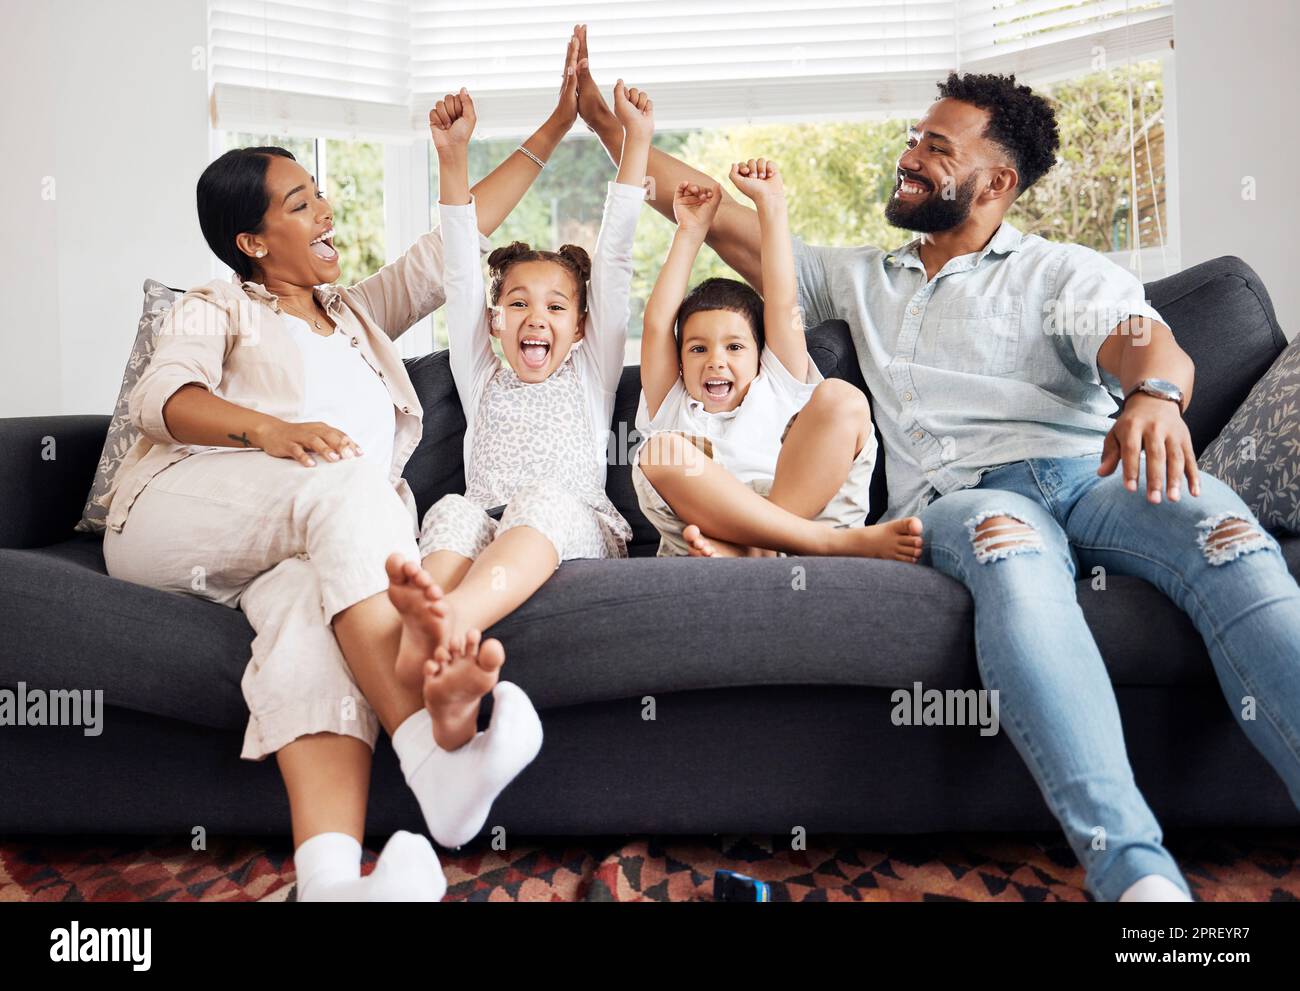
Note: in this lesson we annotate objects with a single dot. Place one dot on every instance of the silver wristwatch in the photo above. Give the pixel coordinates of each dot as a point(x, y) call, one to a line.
point(1161, 389)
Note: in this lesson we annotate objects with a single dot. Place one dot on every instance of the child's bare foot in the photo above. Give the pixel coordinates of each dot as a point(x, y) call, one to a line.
point(419, 600)
point(898, 540)
point(454, 681)
point(701, 546)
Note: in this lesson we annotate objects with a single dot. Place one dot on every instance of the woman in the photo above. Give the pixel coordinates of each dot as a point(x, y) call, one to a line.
point(277, 418)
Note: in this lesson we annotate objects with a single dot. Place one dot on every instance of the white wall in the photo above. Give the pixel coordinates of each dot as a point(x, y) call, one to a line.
point(102, 98)
point(1238, 74)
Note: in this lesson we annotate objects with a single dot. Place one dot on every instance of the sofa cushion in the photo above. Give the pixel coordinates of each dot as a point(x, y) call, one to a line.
point(122, 434)
point(863, 623)
point(1258, 453)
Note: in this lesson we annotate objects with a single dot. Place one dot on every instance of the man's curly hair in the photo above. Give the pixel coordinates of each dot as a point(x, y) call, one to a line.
point(1020, 121)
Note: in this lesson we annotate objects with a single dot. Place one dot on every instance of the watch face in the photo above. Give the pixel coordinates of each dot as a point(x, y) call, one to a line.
point(1163, 385)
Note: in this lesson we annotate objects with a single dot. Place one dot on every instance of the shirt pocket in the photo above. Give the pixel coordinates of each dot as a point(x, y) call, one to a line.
point(981, 335)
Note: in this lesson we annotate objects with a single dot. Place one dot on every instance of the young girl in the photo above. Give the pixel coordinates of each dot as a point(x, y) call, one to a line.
point(748, 450)
point(536, 434)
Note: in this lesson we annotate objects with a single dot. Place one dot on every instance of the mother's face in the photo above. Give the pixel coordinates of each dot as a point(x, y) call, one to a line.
point(297, 215)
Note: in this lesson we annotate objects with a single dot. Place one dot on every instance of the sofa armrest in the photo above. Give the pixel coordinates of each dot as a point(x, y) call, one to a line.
point(47, 465)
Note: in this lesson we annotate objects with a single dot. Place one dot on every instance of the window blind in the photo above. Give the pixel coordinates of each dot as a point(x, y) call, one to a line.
point(1033, 38)
point(705, 61)
point(373, 68)
point(316, 67)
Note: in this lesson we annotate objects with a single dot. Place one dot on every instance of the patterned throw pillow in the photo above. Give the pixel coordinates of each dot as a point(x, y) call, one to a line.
point(122, 435)
point(1258, 452)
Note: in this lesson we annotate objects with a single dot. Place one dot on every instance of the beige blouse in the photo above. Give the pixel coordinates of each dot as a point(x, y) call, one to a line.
point(228, 337)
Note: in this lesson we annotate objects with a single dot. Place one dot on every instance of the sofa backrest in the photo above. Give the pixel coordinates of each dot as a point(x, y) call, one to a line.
point(1222, 317)
point(1219, 311)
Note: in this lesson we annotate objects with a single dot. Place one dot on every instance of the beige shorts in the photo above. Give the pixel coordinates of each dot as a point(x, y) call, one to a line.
point(848, 507)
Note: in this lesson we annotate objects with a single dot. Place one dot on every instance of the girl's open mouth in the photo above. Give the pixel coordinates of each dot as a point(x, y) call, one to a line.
point(534, 351)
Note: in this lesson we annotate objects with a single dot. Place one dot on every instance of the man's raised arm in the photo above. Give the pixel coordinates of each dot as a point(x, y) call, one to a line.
point(735, 234)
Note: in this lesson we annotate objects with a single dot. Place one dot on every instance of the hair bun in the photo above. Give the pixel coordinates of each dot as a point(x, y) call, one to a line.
point(501, 258)
point(579, 257)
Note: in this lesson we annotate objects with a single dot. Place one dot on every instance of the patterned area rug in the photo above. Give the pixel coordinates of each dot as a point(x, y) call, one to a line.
point(1219, 865)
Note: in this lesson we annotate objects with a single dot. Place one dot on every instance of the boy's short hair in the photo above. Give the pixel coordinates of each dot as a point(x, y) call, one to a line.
point(722, 294)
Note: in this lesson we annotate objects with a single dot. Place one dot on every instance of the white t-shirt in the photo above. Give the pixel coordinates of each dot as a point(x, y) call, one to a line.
point(747, 439)
point(342, 390)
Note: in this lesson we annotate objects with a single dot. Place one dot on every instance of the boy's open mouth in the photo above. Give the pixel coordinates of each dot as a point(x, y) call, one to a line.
point(323, 247)
point(718, 388)
point(534, 351)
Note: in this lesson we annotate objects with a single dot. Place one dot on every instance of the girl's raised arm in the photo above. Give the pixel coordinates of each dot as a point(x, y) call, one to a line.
point(609, 308)
point(472, 360)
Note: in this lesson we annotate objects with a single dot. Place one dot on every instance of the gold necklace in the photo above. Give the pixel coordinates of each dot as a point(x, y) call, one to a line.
point(311, 319)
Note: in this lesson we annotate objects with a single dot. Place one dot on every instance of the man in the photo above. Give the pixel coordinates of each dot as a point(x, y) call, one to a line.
point(991, 358)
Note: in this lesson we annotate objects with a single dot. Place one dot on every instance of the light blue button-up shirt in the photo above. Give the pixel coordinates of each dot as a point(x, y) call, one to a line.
point(994, 360)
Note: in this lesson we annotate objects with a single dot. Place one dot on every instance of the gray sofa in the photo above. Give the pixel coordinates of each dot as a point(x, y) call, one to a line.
point(771, 703)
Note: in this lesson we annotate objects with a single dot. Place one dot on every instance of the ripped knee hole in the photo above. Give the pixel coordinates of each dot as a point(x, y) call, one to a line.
point(995, 535)
point(1227, 536)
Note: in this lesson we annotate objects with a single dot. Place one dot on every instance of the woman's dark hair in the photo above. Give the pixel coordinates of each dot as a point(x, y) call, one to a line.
point(571, 257)
point(232, 200)
point(722, 294)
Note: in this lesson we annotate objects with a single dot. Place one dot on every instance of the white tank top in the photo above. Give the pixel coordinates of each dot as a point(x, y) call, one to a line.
point(342, 390)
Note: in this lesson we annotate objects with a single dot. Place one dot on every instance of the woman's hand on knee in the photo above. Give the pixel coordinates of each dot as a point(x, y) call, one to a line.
point(300, 441)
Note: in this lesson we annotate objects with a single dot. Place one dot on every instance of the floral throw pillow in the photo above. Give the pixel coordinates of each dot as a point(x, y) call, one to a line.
point(122, 435)
point(1258, 452)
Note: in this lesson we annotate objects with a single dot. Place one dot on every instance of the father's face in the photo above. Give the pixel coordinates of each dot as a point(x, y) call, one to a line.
point(939, 174)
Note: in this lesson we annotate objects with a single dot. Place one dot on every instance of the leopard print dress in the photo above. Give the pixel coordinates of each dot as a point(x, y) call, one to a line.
point(533, 451)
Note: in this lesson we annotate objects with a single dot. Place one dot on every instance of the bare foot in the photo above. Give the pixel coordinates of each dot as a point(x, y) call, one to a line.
point(454, 681)
point(899, 540)
point(419, 600)
point(701, 546)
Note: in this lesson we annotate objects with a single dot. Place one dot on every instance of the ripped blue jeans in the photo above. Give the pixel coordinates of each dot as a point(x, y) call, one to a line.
point(1016, 539)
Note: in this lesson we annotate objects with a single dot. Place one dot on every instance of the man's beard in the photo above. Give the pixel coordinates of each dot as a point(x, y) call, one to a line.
point(934, 213)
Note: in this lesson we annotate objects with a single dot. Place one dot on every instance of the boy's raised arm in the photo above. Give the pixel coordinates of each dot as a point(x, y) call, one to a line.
point(759, 180)
point(660, 361)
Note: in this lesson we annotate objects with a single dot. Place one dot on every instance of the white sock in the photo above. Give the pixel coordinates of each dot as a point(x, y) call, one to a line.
point(329, 870)
point(1154, 888)
point(456, 788)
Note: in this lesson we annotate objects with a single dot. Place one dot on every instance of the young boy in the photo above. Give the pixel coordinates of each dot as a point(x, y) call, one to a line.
point(748, 451)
